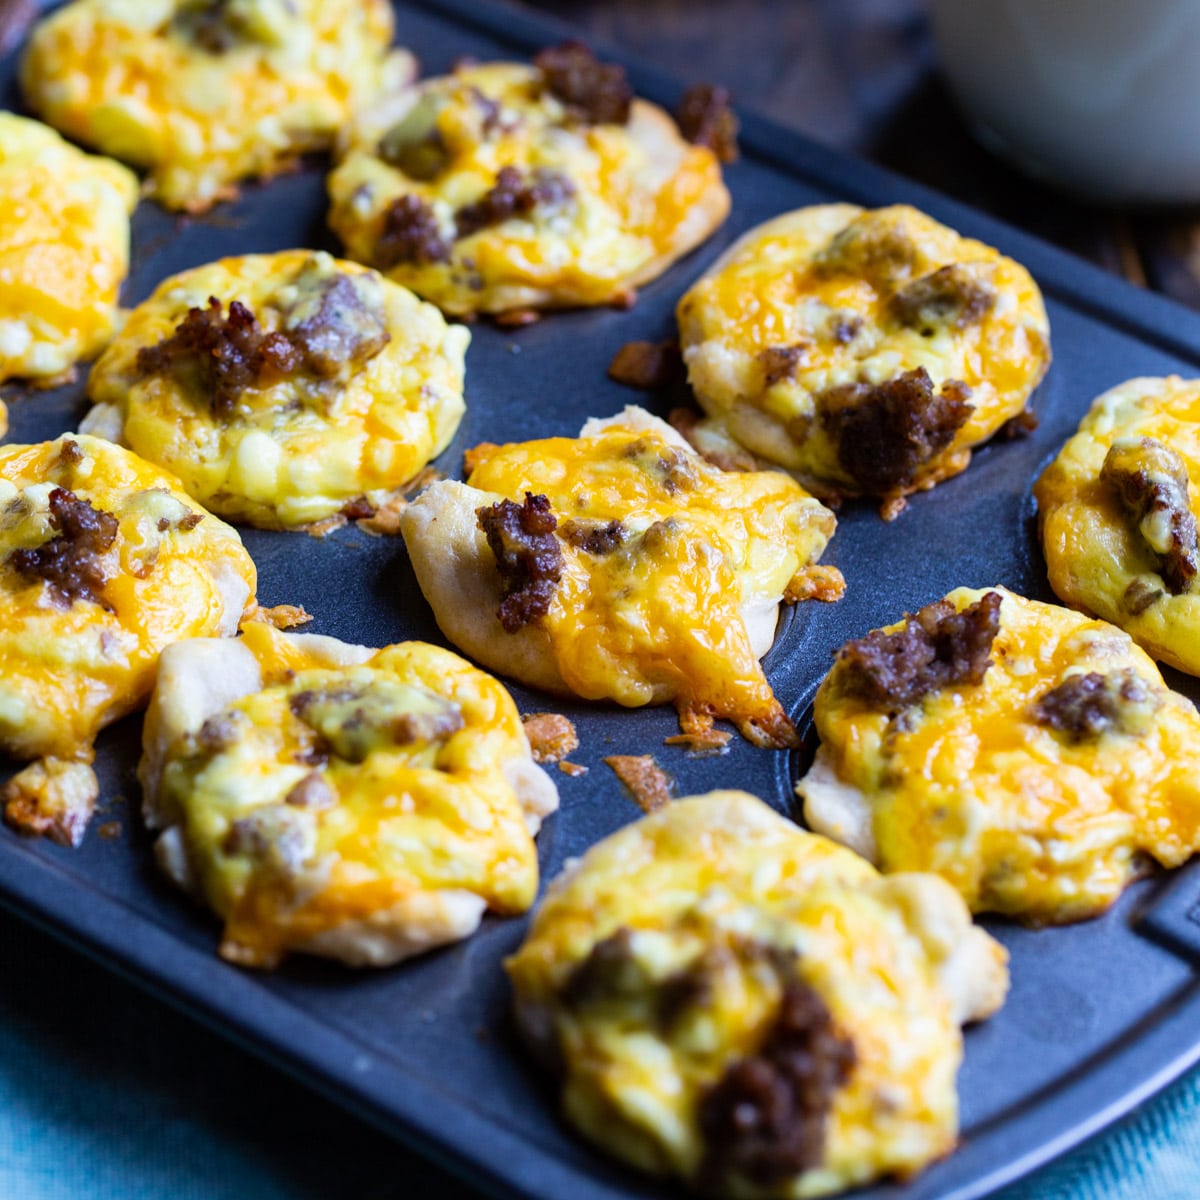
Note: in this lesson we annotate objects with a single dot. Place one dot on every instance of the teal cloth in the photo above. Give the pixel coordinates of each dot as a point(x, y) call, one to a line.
point(105, 1094)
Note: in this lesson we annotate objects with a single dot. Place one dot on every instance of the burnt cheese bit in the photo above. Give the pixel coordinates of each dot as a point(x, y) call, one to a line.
point(1084, 707)
point(593, 537)
point(410, 234)
point(514, 194)
point(647, 366)
point(337, 321)
point(71, 563)
point(528, 556)
point(764, 1119)
point(938, 647)
point(223, 353)
point(950, 297)
point(1152, 482)
point(885, 432)
point(592, 92)
point(706, 118)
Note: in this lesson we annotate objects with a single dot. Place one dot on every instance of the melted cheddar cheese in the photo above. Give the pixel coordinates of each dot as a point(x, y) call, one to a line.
point(367, 810)
point(203, 94)
point(628, 199)
point(64, 250)
point(1047, 821)
point(296, 445)
point(1098, 558)
point(656, 964)
point(831, 298)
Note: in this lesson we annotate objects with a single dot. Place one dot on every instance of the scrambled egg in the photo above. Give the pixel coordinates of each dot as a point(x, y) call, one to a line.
point(204, 93)
point(103, 562)
point(867, 351)
point(1038, 790)
point(747, 1005)
point(655, 576)
point(484, 191)
point(1117, 510)
point(64, 250)
point(363, 804)
point(307, 384)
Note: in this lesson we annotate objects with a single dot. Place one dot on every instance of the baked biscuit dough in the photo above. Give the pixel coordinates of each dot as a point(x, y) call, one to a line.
point(206, 93)
point(658, 576)
point(1030, 755)
point(485, 192)
point(866, 351)
point(1117, 510)
point(747, 1005)
point(283, 387)
point(103, 562)
point(64, 250)
point(361, 804)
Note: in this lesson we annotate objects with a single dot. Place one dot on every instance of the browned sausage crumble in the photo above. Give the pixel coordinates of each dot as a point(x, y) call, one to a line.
point(410, 234)
point(647, 366)
point(313, 791)
point(223, 354)
point(1152, 483)
point(938, 647)
point(592, 537)
point(514, 194)
point(593, 92)
point(338, 321)
point(71, 563)
point(764, 1119)
point(884, 432)
point(780, 362)
point(705, 118)
point(521, 537)
point(948, 297)
point(1084, 707)
point(211, 25)
point(1020, 426)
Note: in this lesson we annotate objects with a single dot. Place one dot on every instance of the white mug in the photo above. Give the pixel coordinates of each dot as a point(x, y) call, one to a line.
point(1099, 96)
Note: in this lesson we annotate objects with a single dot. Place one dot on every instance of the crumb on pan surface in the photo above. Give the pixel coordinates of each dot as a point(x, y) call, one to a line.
point(1117, 513)
point(620, 565)
point(64, 250)
point(205, 94)
point(337, 800)
point(1030, 755)
point(103, 562)
point(731, 999)
point(506, 188)
point(868, 351)
point(284, 389)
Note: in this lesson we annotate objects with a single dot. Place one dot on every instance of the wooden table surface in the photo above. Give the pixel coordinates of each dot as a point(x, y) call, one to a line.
point(861, 75)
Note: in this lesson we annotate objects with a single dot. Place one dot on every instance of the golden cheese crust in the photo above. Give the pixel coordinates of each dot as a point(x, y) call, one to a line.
point(667, 572)
point(361, 804)
point(486, 193)
point(203, 95)
point(103, 561)
point(866, 351)
point(334, 385)
point(714, 943)
point(1038, 789)
point(1117, 512)
point(64, 250)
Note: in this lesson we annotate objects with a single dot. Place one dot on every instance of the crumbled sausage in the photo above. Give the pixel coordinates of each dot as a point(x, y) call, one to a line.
point(414, 143)
point(647, 365)
point(219, 732)
point(71, 563)
point(844, 328)
point(551, 736)
point(780, 362)
point(948, 297)
point(528, 557)
point(593, 92)
point(225, 354)
point(514, 194)
point(70, 454)
point(410, 234)
point(206, 24)
point(884, 432)
point(273, 836)
point(706, 119)
point(338, 321)
point(1140, 595)
point(1086, 706)
point(647, 782)
point(881, 251)
point(609, 970)
point(1020, 426)
point(764, 1119)
point(313, 791)
point(938, 647)
point(1152, 482)
point(592, 537)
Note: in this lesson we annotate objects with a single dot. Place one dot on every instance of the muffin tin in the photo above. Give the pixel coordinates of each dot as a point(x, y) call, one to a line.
point(1101, 1014)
